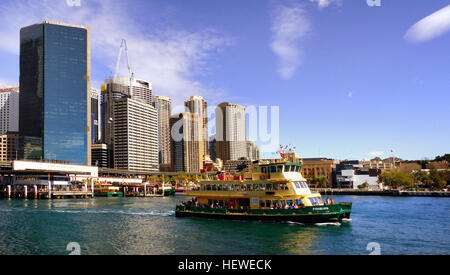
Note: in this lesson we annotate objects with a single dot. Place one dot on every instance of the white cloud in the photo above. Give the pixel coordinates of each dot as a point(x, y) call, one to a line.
point(432, 26)
point(326, 3)
point(169, 58)
point(289, 26)
point(376, 154)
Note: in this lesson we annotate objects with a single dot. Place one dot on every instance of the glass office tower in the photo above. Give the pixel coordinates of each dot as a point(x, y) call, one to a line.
point(55, 120)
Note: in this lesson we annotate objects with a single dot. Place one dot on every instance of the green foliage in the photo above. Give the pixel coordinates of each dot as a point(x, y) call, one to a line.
point(445, 157)
point(397, 179)
point(319, 182)
point(438, 178)
point(363, 186)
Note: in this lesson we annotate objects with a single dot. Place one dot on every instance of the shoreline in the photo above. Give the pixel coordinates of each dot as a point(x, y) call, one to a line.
point(391, 193)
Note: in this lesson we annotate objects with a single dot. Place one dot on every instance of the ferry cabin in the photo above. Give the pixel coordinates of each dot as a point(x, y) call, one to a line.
point(271, 185)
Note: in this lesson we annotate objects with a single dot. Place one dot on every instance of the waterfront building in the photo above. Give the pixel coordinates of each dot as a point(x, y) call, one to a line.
point(386, 165)
point(231, 141)
point(100, 156)
point(351, 174)
point(187, 143)
point(9, 143)
point(253, 152)
point(163, 107)
point(9, 110)
point(95, 123)
point(319, 167)
point(55, 76)
point(114, 90)
point(197, 105)
point(135, 135)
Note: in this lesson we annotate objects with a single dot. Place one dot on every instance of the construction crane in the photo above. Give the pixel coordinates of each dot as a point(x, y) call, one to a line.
point(124, 48)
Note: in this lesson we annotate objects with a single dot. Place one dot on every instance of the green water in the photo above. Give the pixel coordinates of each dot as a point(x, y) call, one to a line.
point(148, 226)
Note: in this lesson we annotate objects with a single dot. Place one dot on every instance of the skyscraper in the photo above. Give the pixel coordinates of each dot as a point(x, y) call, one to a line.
point(231, 132)
point(186, 143)
point(197, 105)
point(112, 91)
point(95, 125)
point(55, 76)
point(9, 110)
point(135, 135)
point(163, 106)
point(253, 152)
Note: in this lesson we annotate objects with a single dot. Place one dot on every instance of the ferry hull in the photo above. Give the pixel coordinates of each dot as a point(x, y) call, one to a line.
point(306, 216)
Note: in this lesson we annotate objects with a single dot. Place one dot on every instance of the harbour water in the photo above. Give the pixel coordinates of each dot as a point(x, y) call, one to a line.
point(411, 225)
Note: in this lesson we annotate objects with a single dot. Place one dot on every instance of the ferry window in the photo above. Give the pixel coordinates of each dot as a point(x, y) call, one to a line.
point(280, 169)
point(283, 203)
point(289, 202)
point(214, 187)
point(219, 187)
point(297, 169)
point(226, 203)
point(262, 204)
point(264, 170)
point(269, 187)
point(243, 187)
point(203, 188)
point(262, 187)
point(237, 188)
point(208, 187)
point(288, 168)
point(268, 204)
point(273, 169)
point(210, 202)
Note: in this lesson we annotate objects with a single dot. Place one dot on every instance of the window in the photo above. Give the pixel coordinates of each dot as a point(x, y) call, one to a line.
point(262, 204)
point(297, 169)
point(264, 170)
point(214, 187)
point(208, 187)
point(269, 187)
point(268, 204)
point(280, 169)
point(273, 169)
point(287, 169)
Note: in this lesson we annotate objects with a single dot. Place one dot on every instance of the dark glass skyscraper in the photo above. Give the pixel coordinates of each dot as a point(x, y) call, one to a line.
point(55, 109)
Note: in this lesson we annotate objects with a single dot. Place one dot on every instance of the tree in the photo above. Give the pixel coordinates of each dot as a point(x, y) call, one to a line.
point(445, 157)
point(363, 186)
point(397, 179)
point(438, 178)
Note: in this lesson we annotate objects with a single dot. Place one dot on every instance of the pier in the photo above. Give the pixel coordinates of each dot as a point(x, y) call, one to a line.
point(394, 193)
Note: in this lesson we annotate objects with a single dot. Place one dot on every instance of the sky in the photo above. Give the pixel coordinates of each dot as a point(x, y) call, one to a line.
point(351, 80)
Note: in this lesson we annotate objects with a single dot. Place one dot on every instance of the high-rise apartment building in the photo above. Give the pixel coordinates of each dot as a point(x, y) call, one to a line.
point(187, 143)
point(135, 135)
point(55, 76)
point(197, 105)
point(231, 141)
point(9, 110)
point(95, 123)
point(163, 107)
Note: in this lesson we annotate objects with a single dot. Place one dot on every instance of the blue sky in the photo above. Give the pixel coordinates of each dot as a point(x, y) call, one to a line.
point(352, 81)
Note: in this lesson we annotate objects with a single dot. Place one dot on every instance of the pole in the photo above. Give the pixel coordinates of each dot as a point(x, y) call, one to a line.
point(164, 182)
point(26, 192)
point(145, 189)
point(92, 187)
point(9, 191)
point(35, 192)
point(49, 188)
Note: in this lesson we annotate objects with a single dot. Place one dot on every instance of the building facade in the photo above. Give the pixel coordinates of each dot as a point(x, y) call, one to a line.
point(319, 167)
point(163, 107)
point(100, 156)
point(95, 119)
point(197, 105)
point(55, 76)
point(135, 136)
point(187, 143)
point(9, 110)
point(253, 152)
point(231, 141)
point(9, 145)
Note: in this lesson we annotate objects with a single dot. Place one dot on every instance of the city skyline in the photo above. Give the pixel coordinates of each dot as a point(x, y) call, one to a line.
point(390, 95)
